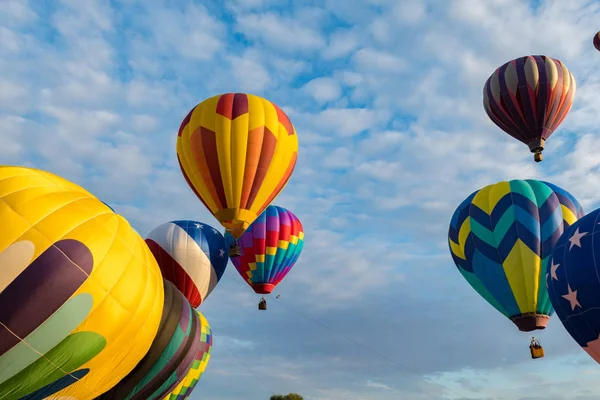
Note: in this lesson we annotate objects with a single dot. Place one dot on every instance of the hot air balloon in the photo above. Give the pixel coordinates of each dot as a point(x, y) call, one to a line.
point(270, 248)
point(187, 385)
point(237, 152)
point(574, 284)
point(597, 41)
point(528, 98)
point(501, 237)
point(191, 255)
point(172, 354)
point(80, 294)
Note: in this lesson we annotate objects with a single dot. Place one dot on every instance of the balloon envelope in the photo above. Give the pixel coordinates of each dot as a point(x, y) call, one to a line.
point(573, 281)
point(80, 294)
point(201, 359)
point(270, 248)
point(529, 97)
point(171, 356)
point(237, 151)
point(500, 238)
point(597, 41)
point(191, 255)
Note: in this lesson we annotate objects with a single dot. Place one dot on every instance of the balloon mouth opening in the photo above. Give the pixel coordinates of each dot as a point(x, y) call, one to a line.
point(530, 322)
point(263, 288)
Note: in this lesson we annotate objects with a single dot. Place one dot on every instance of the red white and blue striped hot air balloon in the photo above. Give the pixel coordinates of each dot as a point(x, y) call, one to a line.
point(528, 98)
point(270, 247)
point(191, 255)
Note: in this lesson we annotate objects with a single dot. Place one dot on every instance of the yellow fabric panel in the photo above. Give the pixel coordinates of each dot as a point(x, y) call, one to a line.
point(238, 146)
point(482, 199)
point(568, 215)
point(223, 139)
point(522, 268)
point(459, 248)
point(125, 283)
point(286, 146)
point(201, 116)
point(496, 193)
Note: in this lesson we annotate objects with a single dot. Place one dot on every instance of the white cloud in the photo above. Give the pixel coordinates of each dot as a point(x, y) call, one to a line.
point(341, 157)
point(17, 12)
point(192, 32)
point(13, 96)
point(375, 60)
point(249, 74)
point(324, 89)
point(346, 122)
point(283, 34)
point(410, 12)
point(340, 44)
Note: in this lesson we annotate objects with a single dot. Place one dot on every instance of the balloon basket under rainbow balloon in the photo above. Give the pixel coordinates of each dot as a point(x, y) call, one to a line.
point(262, 304)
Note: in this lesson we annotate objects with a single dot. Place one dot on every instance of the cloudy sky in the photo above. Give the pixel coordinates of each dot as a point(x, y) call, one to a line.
point(386, 97)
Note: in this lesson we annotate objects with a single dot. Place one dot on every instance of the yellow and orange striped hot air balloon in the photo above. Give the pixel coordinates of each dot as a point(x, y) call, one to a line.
point(237, 151)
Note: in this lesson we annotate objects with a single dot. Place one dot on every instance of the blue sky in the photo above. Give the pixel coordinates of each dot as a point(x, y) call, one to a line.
point(386, 97)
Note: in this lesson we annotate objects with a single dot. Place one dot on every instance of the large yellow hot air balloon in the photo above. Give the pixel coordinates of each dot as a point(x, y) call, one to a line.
point(237, 151)
point(81, 295)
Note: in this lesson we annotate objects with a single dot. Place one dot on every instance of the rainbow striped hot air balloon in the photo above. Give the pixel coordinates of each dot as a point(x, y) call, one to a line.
point(270, 248)
point(237, 152)
point(80, 294)
point(500, 239)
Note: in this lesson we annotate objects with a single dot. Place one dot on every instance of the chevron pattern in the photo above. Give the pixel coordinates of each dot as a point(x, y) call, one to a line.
point(501, 235)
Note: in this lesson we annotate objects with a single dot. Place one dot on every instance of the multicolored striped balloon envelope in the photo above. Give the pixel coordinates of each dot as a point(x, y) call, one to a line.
point(173, 353)
point(191, 255)
point(500, 239)
point(528, 98)
point(201, 359)
point(270, 248)
point(81, 296)
point(237, 151)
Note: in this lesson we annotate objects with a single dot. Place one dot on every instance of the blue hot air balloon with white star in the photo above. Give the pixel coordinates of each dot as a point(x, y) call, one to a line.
point(573, 281)
point(191, 255)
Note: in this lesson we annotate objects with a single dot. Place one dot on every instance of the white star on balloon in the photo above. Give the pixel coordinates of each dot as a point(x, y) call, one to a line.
point(576, 238)
point(221, 253)
point(553, 269)
point(215, 231)
point(198, 226)
point(572, 298)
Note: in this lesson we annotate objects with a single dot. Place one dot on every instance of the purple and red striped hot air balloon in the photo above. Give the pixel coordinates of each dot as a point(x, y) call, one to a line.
point(528, 98)
point(597, 41)
point(270, 247)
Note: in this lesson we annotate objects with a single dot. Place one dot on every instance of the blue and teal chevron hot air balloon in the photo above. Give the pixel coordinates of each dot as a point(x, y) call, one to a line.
point(501, 237)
